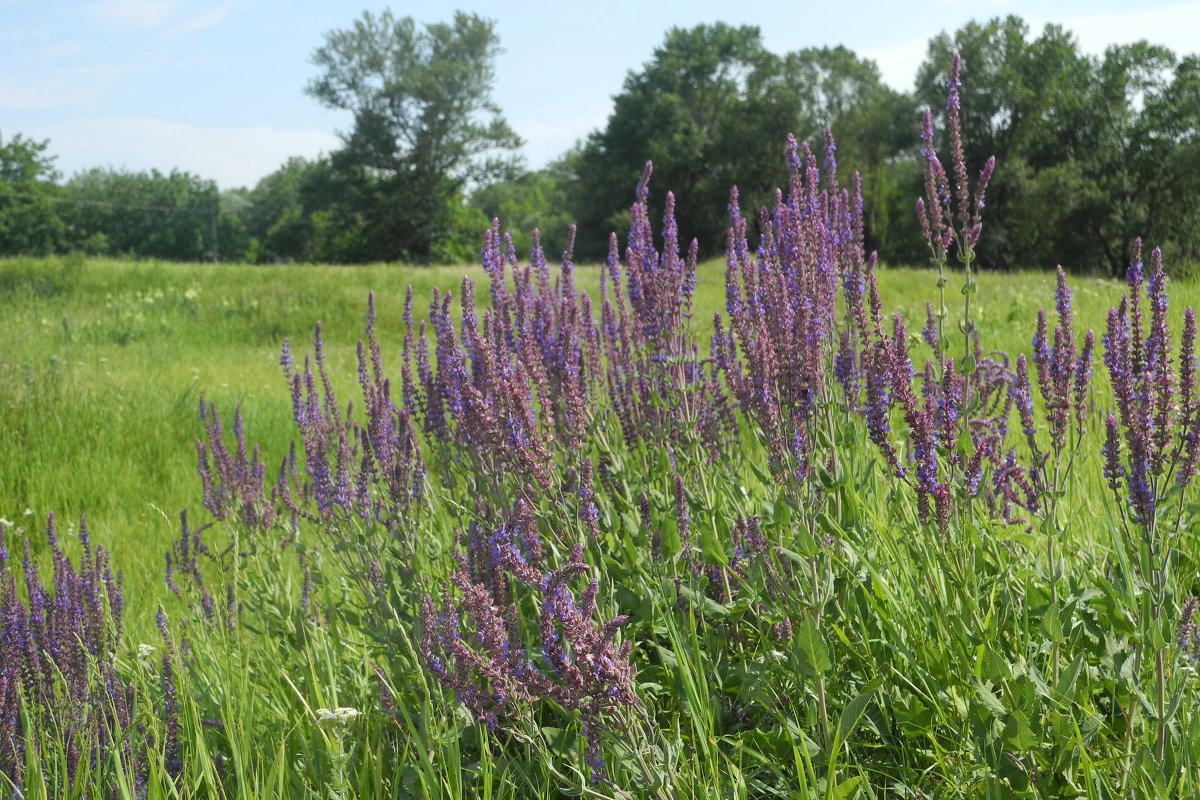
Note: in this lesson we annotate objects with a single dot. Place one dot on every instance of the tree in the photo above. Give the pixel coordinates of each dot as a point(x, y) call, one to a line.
point(273, 213)
point(677, 111)
point(1146, 123)
point(1175, 112)
point(1091, 153)
point(142, 214)
point(1025, 102)
point(536, 200)
point(712, 109)
point(425, 128)
point(29, 222)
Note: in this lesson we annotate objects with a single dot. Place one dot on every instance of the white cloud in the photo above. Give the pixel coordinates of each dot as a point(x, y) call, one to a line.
point(898, 63)
point(545, 141)
point(60, 88)
point(233, 156)
point(205, 19)
point(135, 13)
point(1172, 25)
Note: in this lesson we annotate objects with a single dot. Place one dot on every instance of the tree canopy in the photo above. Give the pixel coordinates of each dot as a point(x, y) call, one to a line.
point(712, 109)
point(1093, 151)
point(28, 222)
point(425, 128)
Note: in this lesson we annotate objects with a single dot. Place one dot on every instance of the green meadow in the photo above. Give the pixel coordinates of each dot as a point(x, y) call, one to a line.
point(103, 364)
point(826, 644)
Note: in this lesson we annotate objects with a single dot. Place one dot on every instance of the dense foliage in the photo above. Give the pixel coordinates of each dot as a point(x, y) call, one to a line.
point(1099, 150)
point(710, 109)
point(425, 127)
point(562, 548)
point(28, 223)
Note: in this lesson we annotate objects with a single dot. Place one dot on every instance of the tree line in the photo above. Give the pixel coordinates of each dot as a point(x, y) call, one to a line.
point(1093, 151)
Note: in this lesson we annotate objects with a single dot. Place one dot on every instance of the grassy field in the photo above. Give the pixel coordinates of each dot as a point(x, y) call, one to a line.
point(918, 666)
point(104, 362)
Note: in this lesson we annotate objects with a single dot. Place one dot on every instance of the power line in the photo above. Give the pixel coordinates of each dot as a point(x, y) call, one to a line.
point(81, 202)
point(211, 212)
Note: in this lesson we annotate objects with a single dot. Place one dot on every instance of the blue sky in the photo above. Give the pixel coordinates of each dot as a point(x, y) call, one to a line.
point(215, 87)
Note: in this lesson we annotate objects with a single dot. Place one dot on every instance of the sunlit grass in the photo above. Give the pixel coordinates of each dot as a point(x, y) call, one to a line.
point(101, 371)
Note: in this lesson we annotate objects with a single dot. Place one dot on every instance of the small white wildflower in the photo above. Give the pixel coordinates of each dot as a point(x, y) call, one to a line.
point(28, 512)
point(6, 522)
point(341, 715)
point(145, 651)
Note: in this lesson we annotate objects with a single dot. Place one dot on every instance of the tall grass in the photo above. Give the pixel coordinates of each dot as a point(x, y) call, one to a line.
point(543, 541)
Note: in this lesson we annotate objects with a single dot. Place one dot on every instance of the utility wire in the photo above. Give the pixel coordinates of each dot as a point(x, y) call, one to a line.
point(81, 202)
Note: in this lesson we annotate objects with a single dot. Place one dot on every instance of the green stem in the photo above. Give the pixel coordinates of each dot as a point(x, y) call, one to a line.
point(821, 701)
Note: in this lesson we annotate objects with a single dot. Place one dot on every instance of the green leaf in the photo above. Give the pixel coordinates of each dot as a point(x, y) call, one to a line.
point(1039, 683)
point(1065, 688)
point(814, 656)
point(995, 667)
point(1052, 623)
point(1017, 733)
point(854, 710)
point(990, 701)
point(847, 788)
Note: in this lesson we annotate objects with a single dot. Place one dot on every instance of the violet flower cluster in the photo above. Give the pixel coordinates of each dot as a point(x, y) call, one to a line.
point(373, 468)
point(949, 219)
point(517, 636)
point(232, 483)
point(58, 643)
point(782, 307)
point(1064, 373)
point(514, 387)
point(957, 425)
point(185, 576)
point(1153, 440)
point(326, 435)
point(786, 339)
point(661, 388)
point(518, 386)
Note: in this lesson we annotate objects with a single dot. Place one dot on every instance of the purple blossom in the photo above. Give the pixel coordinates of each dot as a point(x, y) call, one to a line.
point(58, 678)
point(497, 658)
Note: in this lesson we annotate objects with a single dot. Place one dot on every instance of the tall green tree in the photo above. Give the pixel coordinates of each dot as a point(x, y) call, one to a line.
point(1091, 153)
point(1147, 104)
point(712, 109)
point(1025, 101)
point(273, 213)
point(425, 130)
point(676, 111)
point(144, 214)
point(1175, 111)
point(29, 221)
point(534, 201)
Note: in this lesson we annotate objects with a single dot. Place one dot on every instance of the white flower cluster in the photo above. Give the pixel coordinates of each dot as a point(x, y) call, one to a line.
point(338, 716)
